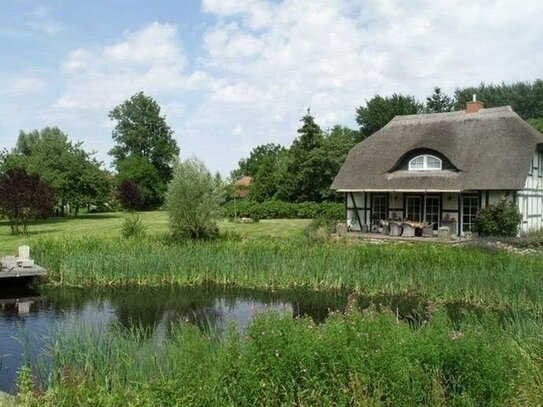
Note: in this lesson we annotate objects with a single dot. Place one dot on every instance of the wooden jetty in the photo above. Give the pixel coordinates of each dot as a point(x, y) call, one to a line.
point(12, 267)
point(22, 272)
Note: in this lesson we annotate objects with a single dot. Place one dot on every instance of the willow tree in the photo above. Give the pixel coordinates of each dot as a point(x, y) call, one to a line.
point(193, 201)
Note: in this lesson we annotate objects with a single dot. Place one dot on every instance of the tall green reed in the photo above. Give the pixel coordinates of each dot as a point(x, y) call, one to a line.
point(437, 272)
point(357, 359)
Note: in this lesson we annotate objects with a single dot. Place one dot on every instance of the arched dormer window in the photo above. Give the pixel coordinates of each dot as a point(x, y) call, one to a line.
point(425, 162)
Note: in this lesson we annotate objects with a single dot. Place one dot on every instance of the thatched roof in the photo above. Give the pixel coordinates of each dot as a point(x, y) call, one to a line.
point(489, 149)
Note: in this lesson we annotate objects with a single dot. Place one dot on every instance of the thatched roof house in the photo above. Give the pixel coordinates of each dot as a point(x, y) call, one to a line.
point(445, 166)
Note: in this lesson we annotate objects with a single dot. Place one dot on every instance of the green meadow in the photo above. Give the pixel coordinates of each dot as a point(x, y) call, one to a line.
point(155, 222)
point(489, 356)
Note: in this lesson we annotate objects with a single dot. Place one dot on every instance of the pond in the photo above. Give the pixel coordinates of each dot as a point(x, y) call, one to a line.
point(28, 316)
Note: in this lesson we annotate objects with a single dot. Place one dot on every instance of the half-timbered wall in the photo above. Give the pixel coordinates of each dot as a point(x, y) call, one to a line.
point(530, 199)
point(357, 209)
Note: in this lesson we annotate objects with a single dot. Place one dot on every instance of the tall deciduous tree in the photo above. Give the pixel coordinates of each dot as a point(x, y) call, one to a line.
point(379, 110)
point(76, 177)
point(439, 102)
point(260, 154)
point(337, 144)
point(301, 180)
point(526, 98)
point(139, 170)
point(141, 131)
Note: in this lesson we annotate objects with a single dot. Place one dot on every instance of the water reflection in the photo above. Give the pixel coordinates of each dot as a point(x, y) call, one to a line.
point(19, 300)
point(28, 316)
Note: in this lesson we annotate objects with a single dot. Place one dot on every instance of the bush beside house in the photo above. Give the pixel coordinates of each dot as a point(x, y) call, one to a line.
point(502, 219)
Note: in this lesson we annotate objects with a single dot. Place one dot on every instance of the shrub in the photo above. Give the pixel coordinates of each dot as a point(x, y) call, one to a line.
point(130, 195)
point(283, 210)
point(320, 229)
point(193, 202)
point(132, 226)
point(502, 219)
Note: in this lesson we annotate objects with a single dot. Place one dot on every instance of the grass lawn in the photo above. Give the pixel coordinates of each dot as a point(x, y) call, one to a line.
point(109, 224)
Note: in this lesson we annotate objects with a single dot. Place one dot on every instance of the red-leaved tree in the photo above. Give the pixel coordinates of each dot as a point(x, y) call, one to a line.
point(130, 195)
point(23, 198)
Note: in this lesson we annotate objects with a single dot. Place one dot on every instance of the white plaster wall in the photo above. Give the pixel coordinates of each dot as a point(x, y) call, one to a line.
point(496, 196)
point(450, 201)
point(357, 202)
point(530, 199)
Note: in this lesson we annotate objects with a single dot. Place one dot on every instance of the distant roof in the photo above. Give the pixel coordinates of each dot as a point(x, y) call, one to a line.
point(246, 180)
point(492, 149)
point(242, 186)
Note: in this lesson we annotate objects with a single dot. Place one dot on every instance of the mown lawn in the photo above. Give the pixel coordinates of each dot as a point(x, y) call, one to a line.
point(156, 222)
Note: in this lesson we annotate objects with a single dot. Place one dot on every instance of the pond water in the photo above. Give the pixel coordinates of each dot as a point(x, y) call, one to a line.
point(28, 316)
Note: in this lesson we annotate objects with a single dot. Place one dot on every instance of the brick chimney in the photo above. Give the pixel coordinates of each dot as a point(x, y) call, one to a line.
point(474, 106)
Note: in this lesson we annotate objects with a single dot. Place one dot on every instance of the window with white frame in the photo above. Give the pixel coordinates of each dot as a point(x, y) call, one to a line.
point(425, 162)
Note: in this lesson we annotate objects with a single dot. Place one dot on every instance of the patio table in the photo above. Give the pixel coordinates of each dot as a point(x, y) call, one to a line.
point(417, 226)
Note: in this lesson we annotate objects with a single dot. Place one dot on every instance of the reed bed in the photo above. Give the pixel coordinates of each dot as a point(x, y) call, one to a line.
point(437, 272)
point(356, 359)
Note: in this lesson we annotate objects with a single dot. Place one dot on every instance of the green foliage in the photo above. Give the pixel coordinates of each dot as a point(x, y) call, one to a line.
point(305, 171)
point(193, 201)
point(301, 180)
point(275, 209)
point(502, 219)
point(526, 98)
point(320, 229)
point(26, 385)
point(379, 110)
point(312, 162)
point(145, 176)
point(144, 146)
point(537, 123)
point(76, 177)
point(437, 272)
point(257, 157)
point(438, 102)
point(132, 226)
point(356, 359)
point(266, 181)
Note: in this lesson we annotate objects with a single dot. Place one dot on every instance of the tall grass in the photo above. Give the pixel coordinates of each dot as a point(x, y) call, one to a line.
point(437, 272)
point(357, 359)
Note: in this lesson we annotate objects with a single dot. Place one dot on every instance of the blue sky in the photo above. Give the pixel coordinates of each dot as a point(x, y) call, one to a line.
point(232, 74)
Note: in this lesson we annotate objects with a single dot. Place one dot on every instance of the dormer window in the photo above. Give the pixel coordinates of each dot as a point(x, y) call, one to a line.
point(425, 162)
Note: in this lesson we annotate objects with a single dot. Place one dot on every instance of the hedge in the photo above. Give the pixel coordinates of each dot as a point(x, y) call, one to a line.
point(283, 210)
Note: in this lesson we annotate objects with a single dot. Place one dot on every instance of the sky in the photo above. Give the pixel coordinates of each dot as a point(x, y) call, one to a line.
point(233, 74)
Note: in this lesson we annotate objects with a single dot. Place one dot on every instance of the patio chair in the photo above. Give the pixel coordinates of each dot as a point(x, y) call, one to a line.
point(428, 230)
point(395, 229)
point(384, 227)
point(408, 230)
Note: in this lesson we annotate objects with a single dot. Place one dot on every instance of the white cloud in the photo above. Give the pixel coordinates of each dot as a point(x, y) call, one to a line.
point(151, 60)
point(39, 20)
point(263, 62)
point(25, 84)
point(277, 58)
